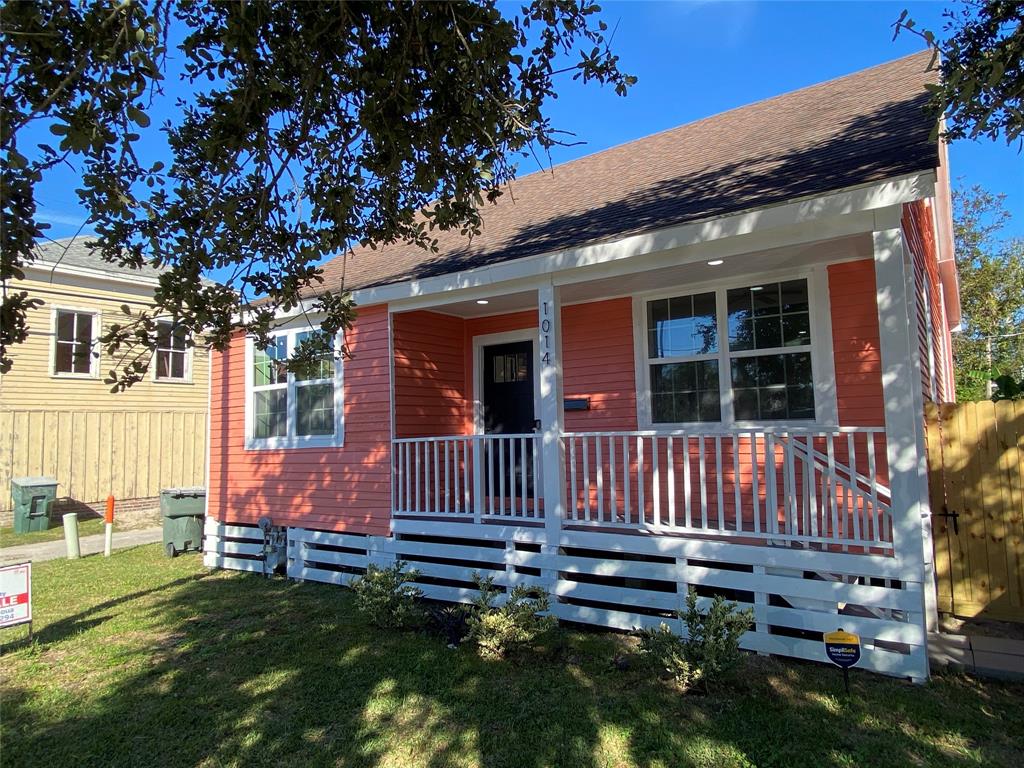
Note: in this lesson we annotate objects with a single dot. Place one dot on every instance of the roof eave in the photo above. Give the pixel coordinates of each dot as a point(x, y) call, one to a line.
point(859, 198)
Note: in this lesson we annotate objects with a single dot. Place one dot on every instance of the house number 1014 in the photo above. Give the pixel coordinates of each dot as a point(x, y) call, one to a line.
point(545, 329)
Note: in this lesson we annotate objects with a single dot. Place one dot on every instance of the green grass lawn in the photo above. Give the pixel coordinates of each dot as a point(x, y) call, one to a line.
point(8, 538)
point(143, 661)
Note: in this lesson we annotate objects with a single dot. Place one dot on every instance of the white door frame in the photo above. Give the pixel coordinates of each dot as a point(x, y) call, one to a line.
point(492, 339)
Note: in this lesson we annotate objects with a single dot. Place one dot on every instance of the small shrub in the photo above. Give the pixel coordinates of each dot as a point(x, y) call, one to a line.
point(709, 653)
point(501, 630)
point(713, 642)
point(450, 622)
point(386, 599)
point(666, 651)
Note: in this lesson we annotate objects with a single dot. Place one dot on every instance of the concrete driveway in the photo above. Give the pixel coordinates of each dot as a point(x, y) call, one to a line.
point(90, 545)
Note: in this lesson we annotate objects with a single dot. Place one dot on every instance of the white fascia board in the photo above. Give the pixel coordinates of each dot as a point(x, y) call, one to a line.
point(303, 309)
point(97, 274)
point(860, 199)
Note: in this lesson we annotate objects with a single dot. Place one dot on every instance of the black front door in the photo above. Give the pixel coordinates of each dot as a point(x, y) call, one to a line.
point(508, 388)
point(508, 410)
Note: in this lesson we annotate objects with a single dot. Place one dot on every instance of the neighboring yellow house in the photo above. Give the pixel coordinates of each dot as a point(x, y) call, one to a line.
point(59, 418)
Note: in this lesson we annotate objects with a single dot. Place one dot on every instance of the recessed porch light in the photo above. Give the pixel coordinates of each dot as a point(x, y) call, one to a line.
point(482, 301)
point(757, 288)
point(716, 262)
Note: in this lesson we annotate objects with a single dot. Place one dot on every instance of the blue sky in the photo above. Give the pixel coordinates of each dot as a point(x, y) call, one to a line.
point(695, 59)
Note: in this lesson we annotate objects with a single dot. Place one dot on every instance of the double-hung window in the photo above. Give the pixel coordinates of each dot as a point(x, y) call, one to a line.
point(292, 409)
point(682, 347)
point(739, 354)
point(172, 352)
point(770, 352)
point(74, 336)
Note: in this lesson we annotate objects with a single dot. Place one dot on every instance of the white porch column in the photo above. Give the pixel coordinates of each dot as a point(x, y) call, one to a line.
point(552, 451)
point(904, 429)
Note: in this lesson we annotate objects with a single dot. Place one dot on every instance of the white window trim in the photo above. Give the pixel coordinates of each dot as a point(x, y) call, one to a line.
point(929, 335)
point(94, 351)
point(187, 378)
point(291, 440)
point(821, 349)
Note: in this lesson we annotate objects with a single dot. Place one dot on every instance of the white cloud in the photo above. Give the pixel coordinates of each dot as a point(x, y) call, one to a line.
point(65, 218)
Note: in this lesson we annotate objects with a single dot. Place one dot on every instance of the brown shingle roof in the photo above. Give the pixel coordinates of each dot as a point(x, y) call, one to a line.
point(856, 129)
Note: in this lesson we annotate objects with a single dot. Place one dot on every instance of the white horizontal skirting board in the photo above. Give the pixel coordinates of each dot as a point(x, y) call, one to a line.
point(216, 528)
point(214, 560)
point(880, 566)
point(637, 598)
point(237, 547)
point(450, 551)
point(739, 554)
point(448, 594)
point(306, 573)
point(815, 587)
point(326, 556)
point(350, 540)
point(229, 547)
point(874, 659)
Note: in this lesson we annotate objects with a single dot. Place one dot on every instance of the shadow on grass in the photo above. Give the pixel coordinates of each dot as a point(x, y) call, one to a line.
point(244, 671)
point(93, 616)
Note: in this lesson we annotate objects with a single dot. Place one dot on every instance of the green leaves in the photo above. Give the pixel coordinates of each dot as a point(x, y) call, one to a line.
point(310, 128)
point(991, 277)
point(137, 116)
point(982, 81)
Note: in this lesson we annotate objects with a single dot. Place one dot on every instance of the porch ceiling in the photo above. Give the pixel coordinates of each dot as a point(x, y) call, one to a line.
point(671, 274)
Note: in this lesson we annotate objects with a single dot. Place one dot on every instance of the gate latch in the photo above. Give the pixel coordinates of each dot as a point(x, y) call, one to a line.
point(954, 514)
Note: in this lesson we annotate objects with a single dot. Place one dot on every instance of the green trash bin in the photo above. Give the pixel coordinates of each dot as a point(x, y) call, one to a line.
point(182, 510)
point(32, 497)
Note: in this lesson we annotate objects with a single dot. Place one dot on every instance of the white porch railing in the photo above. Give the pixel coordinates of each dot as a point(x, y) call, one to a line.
point(467, 476)
point(814, 486)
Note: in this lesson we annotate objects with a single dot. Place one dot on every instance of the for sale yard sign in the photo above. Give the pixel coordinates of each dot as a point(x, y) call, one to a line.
point(15, 594)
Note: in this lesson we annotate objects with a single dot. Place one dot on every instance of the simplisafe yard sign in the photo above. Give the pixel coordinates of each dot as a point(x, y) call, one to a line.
point(843, 650)
point(16, 595)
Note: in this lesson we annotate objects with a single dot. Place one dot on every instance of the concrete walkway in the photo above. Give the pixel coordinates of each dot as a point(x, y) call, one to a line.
point(90, 545)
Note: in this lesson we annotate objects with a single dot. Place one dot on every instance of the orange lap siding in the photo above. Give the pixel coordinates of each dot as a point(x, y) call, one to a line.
point(336, 489)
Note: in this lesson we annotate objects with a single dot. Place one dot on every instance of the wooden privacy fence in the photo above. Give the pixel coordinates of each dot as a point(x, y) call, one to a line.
point(976, 485)
point(131, 454)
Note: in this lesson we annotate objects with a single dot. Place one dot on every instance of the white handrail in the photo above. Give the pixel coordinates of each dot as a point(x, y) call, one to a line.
point(467, 476)
point(769, 483)
point(808, 486)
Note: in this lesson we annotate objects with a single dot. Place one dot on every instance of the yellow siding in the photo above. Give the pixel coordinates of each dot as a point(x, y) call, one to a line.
point(94, 441)
point(130, 454)
point(30, 384)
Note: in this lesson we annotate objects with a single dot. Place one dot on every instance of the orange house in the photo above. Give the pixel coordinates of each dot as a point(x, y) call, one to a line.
point(695, 360)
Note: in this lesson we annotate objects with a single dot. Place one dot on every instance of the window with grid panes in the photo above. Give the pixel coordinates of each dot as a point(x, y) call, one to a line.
point(763, 354)
point(72, 342)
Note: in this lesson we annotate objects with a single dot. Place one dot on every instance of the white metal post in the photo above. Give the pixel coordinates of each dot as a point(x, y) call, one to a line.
point(549, 362)
point(906, 460)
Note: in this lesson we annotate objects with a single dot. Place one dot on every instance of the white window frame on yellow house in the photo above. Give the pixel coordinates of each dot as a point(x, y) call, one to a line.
point(94, 352)
point(186, 378)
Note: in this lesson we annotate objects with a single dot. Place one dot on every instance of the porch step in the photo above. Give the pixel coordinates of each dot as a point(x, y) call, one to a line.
point(984, 656)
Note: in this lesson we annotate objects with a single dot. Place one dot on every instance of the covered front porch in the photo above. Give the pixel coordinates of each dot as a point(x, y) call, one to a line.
point(655, 401)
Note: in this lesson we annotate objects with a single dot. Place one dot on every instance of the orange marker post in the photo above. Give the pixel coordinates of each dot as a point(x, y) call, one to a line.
point(108, 520)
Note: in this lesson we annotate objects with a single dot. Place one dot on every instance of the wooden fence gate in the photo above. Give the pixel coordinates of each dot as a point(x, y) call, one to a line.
point(976, 485)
